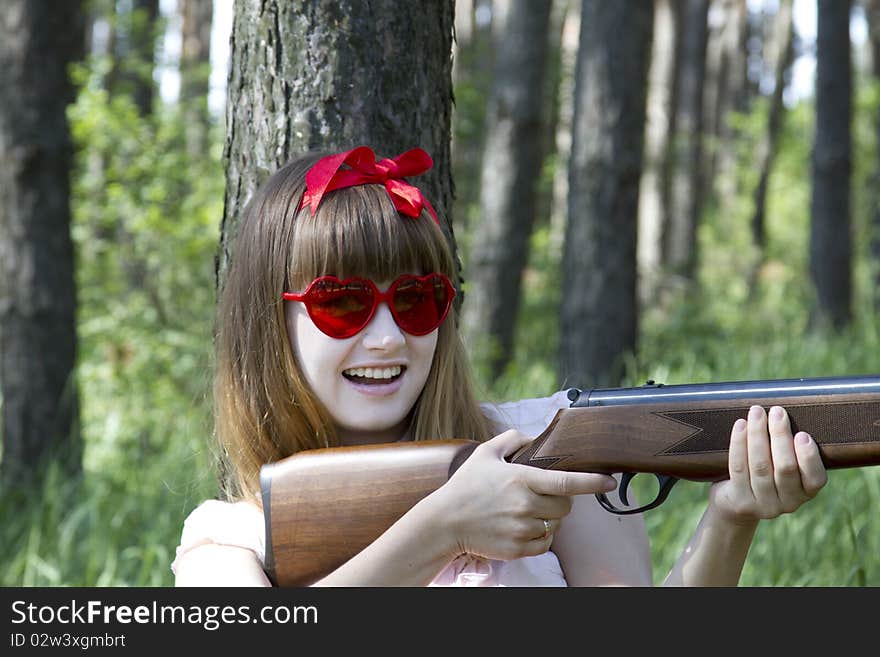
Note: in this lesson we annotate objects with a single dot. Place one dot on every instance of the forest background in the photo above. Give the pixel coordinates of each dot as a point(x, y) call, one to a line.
point(742, 196)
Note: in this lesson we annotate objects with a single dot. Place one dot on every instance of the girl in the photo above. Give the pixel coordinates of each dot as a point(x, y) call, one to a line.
point(337, 326)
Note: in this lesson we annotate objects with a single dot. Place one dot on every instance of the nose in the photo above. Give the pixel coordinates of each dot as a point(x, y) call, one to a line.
point(383, 332)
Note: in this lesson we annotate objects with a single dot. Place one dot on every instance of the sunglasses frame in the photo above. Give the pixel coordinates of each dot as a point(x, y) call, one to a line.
point(378, 298)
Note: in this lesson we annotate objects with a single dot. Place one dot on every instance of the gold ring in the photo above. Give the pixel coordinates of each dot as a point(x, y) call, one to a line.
point(546, 529)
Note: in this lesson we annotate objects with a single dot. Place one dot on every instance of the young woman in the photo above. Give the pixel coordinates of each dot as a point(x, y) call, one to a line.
point(337, 326)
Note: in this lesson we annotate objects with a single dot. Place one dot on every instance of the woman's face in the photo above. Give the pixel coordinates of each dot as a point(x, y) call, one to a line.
point(369, 382)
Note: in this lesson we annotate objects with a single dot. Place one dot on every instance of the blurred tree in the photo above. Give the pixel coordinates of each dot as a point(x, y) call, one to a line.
point(195, 71)
point(310, 75)
point(599, 317)
point(872, 12)
point(568, 49)
point(471, 79)
point(830, 232)
point(39, 39)
point(780, 52)
point(134, 52)
point(687, 175)
point(100, 40)
point(725, 90)
point(654, 187)
point(559, 77)
point(511, 170)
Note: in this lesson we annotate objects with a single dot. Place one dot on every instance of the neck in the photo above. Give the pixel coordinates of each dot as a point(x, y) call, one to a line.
point(353, 437)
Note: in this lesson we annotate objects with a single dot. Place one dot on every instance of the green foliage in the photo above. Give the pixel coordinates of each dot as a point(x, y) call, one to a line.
point(146, 225)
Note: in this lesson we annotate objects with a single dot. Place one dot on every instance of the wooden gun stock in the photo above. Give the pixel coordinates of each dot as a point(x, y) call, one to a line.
point(322, 507)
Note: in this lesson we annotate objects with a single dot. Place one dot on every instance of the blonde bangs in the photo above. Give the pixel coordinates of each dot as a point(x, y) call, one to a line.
point(357, 231)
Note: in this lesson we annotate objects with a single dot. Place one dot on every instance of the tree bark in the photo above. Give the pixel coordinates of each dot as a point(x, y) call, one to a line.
point(195, 72)
point(599, 316)
point(512, 163)
point(686, 200)
point(335, 74)
point(830, 233)
point(38, 41)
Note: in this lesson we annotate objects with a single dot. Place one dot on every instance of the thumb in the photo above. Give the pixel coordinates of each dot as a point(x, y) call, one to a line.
point(507, 443)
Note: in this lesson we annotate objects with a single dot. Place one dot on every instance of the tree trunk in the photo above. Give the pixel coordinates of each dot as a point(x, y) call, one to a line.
point(195, 72)
point(599, 314)
point(571, 28)
point(471, 79)
point(652, 192)
point(780, 52)
point(686, 200)
point(38, 41)
point(512, 163)
point(557, 70)
point(335, 74)
point(726, 83)
point(134, 54)
point(830, 234)
point(872, 11)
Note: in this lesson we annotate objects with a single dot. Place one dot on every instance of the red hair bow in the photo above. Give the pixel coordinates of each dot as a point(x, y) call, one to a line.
point(327, 174)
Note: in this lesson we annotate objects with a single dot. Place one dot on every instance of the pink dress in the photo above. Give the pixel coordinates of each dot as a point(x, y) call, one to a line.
point(241, 524)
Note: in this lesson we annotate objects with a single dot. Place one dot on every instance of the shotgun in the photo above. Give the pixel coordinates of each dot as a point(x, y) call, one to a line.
point(324, 506)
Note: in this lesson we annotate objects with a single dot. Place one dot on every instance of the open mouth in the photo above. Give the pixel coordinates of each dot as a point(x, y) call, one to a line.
point(374, 375)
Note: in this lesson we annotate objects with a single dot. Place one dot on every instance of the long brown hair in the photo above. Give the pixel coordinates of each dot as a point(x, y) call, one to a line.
point(263, 408)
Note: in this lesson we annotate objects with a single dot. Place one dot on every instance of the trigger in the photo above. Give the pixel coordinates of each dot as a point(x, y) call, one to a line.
point(625, 480)
point(665, 482)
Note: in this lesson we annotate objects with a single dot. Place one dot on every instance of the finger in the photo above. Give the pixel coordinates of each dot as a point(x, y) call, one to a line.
point(544, 528)
point(738, 457)
point(542, 540)
point(506, 443)
point(812, 469)
point(560, 482)
point(551, 507)
point(761, 462)
point(786, 473)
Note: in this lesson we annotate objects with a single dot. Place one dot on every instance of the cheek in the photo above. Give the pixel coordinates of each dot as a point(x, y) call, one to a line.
point(425, 347)
point(314, 352)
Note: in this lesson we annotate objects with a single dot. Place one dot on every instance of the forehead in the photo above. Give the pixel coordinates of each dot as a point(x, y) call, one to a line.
point(365, 238)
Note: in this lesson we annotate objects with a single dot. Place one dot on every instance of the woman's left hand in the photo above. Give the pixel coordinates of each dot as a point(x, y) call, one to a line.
point(771, 471)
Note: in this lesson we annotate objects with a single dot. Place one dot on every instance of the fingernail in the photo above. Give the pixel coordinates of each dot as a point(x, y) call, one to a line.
point(610, 484)
point(803, 438)
point(776, 413)
point(739, 426)
point(755, 413)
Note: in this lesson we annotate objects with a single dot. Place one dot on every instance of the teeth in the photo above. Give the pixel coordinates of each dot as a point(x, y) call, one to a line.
point(374, 372)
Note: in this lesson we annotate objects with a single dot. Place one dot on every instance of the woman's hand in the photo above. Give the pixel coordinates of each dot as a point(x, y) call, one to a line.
point(495, 509)
point(771, 471)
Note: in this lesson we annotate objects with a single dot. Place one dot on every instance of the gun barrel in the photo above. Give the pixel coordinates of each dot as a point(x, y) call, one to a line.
point(756, 391)
point(683, 431)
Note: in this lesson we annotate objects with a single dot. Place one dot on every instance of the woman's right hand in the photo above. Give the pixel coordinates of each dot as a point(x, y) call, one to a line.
point(496, 510)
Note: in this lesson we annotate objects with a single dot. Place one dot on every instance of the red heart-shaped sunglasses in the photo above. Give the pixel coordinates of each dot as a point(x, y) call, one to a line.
point(342, 308)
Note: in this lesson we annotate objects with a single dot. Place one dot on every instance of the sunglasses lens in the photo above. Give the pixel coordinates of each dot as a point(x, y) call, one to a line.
point(340, 309)
point(420, 304)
